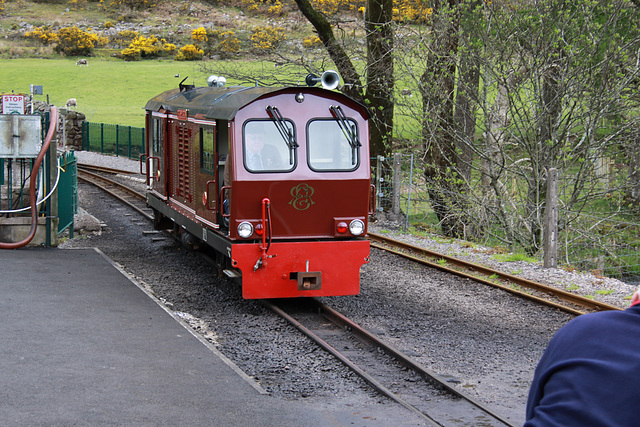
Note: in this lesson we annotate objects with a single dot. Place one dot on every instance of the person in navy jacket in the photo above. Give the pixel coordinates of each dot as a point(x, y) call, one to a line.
point(588, 375)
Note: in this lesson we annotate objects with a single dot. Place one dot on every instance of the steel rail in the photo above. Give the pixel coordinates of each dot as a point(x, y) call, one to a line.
point(98, 181)
point(345, 360)
point(86, 166)
point(469, 268)
point(343, 322)
point(336, 318)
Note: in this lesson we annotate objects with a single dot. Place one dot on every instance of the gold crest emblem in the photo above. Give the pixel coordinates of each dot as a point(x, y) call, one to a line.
point(301, 194)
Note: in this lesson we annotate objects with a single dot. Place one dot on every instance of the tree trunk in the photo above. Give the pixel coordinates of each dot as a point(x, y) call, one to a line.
point(347, 70)
point(632, 194)
point(448, 128)
point(380, 76)
point(379, 90)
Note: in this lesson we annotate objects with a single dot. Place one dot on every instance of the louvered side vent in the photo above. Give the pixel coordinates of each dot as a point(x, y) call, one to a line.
point(184, 169)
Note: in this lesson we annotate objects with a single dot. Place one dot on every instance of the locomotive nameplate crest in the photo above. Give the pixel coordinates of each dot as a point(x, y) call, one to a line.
point(301, 194)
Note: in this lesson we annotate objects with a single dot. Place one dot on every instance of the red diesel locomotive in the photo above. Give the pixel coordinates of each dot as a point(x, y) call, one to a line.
point(275, 180)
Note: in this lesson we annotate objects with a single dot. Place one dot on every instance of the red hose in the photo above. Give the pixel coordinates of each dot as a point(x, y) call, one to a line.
point(32, 184)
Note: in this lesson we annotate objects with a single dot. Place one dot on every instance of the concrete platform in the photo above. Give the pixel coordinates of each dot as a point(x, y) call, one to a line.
point(81, 344)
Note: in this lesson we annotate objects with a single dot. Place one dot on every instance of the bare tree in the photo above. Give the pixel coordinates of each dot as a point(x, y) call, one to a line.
point(564, 81)
point(558, 90)
point(377, 93)
point(449, 86)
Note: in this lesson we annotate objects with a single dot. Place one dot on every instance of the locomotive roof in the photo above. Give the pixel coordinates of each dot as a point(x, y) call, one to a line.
point(220, 102)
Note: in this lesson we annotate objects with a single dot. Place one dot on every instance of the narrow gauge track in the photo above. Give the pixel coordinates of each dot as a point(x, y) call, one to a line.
point(543, 294)
point(408, 383)
point(125, 194)
point(415, 387)
point(104, 169)
point(566, 301)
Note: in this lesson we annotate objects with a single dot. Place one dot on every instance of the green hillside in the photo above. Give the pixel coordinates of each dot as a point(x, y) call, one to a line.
point(107, 91)
point(111, 90)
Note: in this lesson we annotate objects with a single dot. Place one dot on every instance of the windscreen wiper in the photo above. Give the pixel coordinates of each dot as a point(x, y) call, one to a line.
point(348, 129)
point(285, 130)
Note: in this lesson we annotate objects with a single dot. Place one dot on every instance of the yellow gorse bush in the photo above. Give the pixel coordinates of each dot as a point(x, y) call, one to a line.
point(169, 47)
point(43, 34)
point(311, 42)
point(267, 38)
point(147, 47)
point(189, 53)
point(69, 40)
point(275, 9)
point(412, 11)
point(251, 5)
point(76, 4)
point(199, 35)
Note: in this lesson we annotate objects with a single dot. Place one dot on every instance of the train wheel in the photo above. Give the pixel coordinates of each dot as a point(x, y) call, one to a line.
point(161, 222)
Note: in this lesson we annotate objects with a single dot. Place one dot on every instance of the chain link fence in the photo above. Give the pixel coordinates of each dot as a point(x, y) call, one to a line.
point(607, 245)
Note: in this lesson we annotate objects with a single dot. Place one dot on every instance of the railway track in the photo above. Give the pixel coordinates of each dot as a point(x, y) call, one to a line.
point(524, 288)
point(538, 292)
point(132, 198)
point(426, 394)
point(389, 371)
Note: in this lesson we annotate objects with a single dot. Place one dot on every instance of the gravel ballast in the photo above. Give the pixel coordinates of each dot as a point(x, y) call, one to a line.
point(484, 341)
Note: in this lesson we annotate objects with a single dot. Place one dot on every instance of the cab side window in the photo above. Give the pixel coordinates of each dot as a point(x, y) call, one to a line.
point(156, 136)
point(207, 149)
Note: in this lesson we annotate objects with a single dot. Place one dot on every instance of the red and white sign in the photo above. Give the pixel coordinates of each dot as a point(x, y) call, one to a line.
point(12, 104)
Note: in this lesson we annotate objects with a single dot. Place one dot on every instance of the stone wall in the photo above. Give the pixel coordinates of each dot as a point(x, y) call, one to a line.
point(72, 128)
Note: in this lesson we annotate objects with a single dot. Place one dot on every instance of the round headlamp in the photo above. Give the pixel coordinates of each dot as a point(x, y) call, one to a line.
point(356, 227)
point(245, 229)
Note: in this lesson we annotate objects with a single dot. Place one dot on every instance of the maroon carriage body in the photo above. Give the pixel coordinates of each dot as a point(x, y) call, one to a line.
point(277, 180)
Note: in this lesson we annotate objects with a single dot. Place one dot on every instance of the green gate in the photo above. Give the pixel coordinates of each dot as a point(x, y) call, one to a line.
point(67, 191)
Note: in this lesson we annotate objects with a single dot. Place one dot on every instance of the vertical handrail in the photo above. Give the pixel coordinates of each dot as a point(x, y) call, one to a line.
point(266, 219)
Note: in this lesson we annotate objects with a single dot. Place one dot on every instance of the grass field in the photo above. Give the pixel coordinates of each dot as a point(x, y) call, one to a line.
point(107, 91)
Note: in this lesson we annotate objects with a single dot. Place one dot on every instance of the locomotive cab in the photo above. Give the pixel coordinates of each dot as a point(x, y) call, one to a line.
point(277, 181)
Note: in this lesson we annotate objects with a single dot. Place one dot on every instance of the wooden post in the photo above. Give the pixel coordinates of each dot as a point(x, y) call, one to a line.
point(551, 220)
point(397, 183)
point(379, 180)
